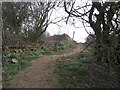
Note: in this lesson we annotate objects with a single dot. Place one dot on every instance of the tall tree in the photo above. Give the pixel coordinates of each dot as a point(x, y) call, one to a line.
point(38, 19)
point(103, 17)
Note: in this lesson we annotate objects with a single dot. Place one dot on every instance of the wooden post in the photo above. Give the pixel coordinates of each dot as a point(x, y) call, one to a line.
point(73, 35)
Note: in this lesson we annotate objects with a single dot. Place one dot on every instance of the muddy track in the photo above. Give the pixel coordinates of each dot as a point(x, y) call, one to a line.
point(40, 74)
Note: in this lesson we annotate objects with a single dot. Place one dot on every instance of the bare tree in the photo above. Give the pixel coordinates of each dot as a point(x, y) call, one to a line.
point(103, 17)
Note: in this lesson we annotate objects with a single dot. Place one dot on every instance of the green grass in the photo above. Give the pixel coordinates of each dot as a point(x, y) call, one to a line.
point(69, 68)
point(56, 71)
point(26, 56)
point(81, 85)
point(107, 84)
point(65, 82)
point(13, 68)
point(47, 53)
point(65, 45)
point(10, 57)
point(6, 84)
point(84, 60)
point(81, 67)
point(82, 71)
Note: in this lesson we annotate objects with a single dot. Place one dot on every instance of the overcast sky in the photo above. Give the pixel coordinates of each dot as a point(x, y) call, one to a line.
point(80, 33)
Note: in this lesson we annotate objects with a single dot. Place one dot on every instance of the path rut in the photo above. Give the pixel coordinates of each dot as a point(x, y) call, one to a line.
point(40, 73)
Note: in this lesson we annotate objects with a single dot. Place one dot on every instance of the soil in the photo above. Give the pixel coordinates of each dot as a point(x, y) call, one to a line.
point(40, 73)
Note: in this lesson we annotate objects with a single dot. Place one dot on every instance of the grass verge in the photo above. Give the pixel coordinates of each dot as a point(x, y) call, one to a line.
point(79, 71)
point(24, 57)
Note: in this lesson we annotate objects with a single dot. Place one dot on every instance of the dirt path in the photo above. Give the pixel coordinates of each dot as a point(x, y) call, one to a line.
point(40, 74)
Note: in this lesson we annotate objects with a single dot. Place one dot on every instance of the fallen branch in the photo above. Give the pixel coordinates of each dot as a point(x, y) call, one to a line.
point(87, 46)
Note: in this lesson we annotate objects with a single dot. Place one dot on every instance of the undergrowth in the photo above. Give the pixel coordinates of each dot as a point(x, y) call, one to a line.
point(79, 71)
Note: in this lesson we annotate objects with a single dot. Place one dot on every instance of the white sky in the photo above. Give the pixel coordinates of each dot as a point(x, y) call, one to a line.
point(80, 33)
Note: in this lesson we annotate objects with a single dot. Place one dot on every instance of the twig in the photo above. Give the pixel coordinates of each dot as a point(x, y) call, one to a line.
point(87, 46)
